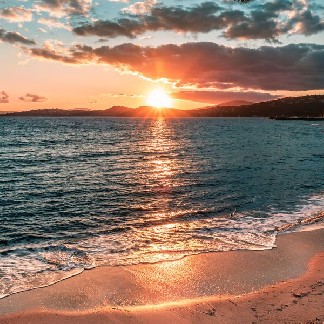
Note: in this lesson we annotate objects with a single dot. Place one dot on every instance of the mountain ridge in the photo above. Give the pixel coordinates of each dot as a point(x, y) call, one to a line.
point(304, 106)
point(233, 103)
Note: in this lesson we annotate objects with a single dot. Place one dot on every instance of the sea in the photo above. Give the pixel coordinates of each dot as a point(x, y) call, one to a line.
point(80, 193)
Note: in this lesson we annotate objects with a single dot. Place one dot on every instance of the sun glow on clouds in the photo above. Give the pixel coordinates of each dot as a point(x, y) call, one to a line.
point(158, 98)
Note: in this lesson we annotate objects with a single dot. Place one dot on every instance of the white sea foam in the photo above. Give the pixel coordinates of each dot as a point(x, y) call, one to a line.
point(163, 242)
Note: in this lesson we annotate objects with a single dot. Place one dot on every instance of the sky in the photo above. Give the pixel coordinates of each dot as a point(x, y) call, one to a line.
point(99, 53)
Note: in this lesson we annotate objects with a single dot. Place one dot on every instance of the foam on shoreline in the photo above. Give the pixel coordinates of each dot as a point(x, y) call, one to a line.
point(191, 278)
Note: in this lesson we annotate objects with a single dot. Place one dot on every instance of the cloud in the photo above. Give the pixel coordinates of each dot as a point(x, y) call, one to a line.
point(140, 8)
point(216, 97)
point(262, 23)
point(118, 95)
point(16, 14)
point(307, 23)
point(209, 65)
point(53, 22)
point(4, 97)
point(196, 19)
point(32, 98)
point(13, 37)
point(60, 8)
point(266, 21)
point(78, 54)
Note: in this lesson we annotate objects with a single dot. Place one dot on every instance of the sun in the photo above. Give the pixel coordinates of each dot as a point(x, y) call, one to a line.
point(159, 98)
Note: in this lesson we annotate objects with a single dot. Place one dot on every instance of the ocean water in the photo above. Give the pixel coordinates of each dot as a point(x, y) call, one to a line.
point(78, 193)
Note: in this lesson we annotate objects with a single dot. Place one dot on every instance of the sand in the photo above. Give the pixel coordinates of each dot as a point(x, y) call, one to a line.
point(283, 285)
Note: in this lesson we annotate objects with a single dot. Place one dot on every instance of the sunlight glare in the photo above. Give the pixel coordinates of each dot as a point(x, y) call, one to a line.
point(159, 98)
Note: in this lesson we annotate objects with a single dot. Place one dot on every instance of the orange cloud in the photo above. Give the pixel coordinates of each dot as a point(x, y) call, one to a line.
point(32, 98)
point(4, 97)
point(292, 67)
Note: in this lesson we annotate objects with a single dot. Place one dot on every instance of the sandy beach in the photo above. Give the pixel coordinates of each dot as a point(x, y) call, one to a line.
point(284, 284)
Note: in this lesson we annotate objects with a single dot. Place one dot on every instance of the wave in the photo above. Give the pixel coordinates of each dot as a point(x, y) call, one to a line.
point(34, 264)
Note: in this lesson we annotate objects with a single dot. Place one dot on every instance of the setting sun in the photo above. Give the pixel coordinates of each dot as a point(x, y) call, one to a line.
point(159, 98)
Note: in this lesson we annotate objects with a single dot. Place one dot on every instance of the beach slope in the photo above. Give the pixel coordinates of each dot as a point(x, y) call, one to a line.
point(284, 284)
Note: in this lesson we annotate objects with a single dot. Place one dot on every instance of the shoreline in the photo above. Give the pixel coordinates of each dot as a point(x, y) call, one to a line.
point(316, 223)
point(185, 283)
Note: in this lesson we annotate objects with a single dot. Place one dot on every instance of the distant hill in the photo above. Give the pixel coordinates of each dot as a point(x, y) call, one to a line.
point(303, 107)
point(115, 111)
point(235, 103)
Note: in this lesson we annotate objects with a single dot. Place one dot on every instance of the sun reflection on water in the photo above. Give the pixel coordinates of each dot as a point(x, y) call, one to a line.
point(164, 167)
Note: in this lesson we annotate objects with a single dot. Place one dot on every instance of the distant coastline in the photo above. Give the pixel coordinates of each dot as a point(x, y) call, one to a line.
point(305, 108)
point(297, 118)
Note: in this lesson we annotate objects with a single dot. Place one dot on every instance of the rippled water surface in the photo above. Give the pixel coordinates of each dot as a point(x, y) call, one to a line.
point(83, 192)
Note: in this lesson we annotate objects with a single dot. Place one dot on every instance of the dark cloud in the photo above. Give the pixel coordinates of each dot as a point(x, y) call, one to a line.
point(200, 18)
point(4, 97)
point(209, 65)
point(307, 23)
point(32, 98)
point(264, 22)
point(216, 97)
point(261, 23)
point(52, 55)
point(13, 37)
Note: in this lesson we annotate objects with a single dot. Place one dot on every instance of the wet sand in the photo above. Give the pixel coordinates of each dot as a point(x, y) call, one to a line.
point(284, 284)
